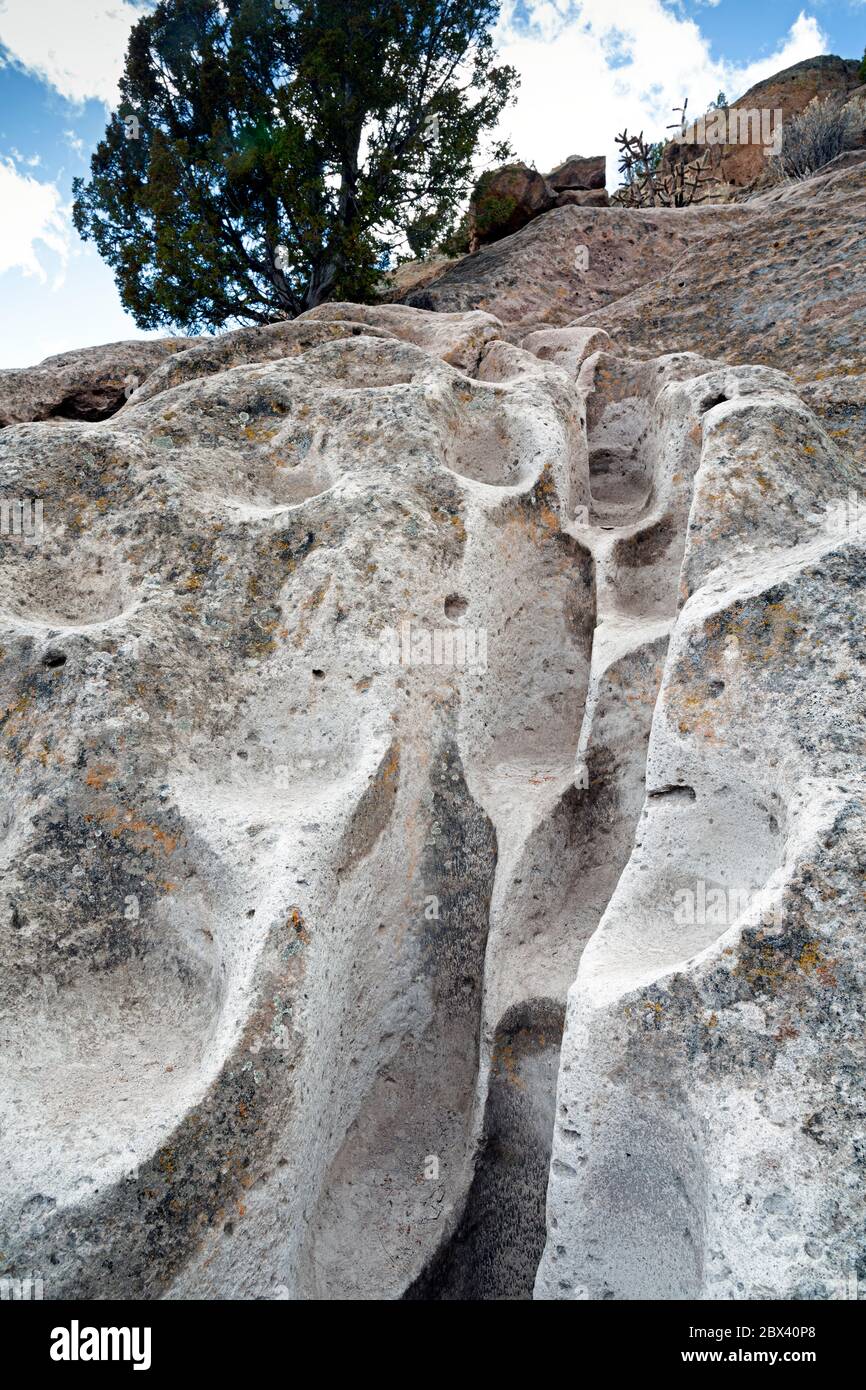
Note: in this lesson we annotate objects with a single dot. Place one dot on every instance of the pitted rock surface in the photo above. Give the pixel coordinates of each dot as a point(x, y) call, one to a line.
point(394, 696)
point(89, 384)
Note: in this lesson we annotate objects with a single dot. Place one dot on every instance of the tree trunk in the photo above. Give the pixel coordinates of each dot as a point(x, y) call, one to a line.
point(321, 285)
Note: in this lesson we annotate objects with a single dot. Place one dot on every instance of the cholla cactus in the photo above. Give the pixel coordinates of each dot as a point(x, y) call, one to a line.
point(646, 186)
point(638, 162)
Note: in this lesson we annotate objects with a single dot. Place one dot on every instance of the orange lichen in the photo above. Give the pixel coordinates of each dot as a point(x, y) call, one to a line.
point(99, 774)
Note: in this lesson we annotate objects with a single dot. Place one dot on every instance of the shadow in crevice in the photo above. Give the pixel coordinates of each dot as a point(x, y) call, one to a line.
point(495, 1250)
point(81, 407)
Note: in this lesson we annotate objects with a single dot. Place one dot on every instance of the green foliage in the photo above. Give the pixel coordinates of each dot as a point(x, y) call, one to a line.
point(656, 152)
point(863, 67)
point(720, 103)
point(286, 153)
point(456, 243)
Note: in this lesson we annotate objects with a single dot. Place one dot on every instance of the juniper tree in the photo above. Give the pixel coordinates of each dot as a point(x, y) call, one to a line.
point(267, 155)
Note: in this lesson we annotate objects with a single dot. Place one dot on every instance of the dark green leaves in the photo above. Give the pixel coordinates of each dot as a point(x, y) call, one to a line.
point(282, 156)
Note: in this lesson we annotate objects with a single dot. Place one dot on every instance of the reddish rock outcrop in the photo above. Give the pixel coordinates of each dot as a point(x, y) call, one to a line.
point(505, 200)
point(742, 163)
point(577, 172)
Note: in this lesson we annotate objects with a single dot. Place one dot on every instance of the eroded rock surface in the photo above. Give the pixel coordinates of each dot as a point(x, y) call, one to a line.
point(783, 284)
point(88, 384)
point(249, 855)
point(710, 1100)
point(383, 683)
point(568, 262)
point(779, 280)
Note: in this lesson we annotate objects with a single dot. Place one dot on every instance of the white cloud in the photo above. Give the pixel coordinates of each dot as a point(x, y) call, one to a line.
point(74, 142)
point(805, 40)
point(34, 215)
point(77, 46)
point(590, 69)
point(33, 161)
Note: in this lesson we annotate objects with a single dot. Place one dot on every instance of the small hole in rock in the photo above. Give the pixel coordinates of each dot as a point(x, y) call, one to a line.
point(711, 401)
point(54, 658)
point(320, 675)
point(455, 606)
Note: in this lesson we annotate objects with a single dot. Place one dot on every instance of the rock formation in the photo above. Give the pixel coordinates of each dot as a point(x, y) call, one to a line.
point(741, 166)
point(390, 690)
point(89, 384)
point(506, 199)
point(578, 173)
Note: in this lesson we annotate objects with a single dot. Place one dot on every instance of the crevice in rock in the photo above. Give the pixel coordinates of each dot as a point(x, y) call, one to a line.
point(687, 793)
point(78, 407)
point(495, 1249)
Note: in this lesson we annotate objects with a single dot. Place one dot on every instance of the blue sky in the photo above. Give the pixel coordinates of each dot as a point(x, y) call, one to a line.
point(589, 67)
